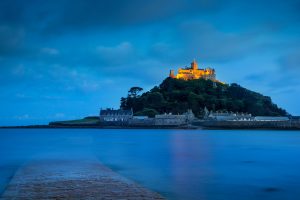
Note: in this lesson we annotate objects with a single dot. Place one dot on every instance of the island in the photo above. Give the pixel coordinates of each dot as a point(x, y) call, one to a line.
point(191, 99)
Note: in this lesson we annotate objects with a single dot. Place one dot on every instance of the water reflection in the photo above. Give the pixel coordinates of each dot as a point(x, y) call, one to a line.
point(190, 160)
point(179, 164)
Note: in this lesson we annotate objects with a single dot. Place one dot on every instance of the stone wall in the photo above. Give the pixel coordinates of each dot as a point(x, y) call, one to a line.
point(295, 123)
point(171, 121)
point(141, 122)
point(290, 124)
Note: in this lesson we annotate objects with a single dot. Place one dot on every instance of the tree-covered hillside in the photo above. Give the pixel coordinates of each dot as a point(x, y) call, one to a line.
point(176, 96)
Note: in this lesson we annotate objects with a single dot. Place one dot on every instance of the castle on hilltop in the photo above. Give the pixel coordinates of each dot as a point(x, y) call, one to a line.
point(193, 72)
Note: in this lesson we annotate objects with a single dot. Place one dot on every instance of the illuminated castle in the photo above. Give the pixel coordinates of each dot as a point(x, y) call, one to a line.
point(193, 72)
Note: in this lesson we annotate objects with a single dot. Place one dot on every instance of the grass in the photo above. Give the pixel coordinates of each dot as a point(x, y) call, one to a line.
point(86, 120)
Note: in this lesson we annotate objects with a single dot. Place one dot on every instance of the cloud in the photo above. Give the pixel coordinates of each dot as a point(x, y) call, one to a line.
point(11, 40)
point(114, 55)
point(50, 51)
point(255, 77)
point(204, 40)
point(19, 70)
point(291, 62)
point(166, 52)
point(116, 14)
point(59, 115)
point(59, 17)
point(23, 117)
point(11, 11)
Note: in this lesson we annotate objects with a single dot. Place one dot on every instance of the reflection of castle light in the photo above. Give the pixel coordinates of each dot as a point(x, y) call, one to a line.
point(194, 72)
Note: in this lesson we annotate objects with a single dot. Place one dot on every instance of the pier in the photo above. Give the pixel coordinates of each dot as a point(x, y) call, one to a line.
point(72, 179)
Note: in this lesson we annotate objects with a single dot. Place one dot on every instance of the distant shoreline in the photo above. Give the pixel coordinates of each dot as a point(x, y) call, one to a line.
point(98, 127)
point(146, 127)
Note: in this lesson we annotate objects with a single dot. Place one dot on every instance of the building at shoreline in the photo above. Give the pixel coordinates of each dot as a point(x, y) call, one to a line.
point(111, 115)
point(121, 117)
point(228, 116)
point(193, 72)
point(171, 120)
point(231, 116)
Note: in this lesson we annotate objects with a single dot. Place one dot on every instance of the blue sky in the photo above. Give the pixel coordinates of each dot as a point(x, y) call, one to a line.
point(66, 59)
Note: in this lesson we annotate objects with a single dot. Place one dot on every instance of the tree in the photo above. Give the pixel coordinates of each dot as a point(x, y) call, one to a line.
point(123, 103)
point(134, 91)
point(176, 96)
point(147, 112)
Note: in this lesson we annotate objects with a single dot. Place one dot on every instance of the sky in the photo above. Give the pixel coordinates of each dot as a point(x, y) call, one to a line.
point(66, 59)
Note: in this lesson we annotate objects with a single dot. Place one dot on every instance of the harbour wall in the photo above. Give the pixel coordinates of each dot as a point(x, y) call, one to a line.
point(289, 124)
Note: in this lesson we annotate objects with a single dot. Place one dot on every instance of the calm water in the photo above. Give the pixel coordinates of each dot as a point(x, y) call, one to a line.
point(180, 164)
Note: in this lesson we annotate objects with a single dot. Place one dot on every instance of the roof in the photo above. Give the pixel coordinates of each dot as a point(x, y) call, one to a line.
point(295, 117)
point(115, 112)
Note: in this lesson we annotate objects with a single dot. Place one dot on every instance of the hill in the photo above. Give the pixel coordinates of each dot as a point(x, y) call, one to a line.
point(176, 96)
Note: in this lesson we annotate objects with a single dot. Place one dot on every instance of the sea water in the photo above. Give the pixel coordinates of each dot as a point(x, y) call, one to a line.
point(179, 164)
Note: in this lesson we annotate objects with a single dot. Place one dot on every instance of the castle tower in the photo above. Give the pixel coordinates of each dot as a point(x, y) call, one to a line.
point(172, 75)
point(194, 65)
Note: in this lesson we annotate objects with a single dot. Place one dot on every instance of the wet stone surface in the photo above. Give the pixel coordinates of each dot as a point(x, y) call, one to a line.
point(61, 179)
